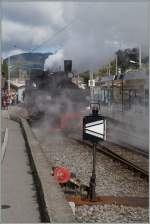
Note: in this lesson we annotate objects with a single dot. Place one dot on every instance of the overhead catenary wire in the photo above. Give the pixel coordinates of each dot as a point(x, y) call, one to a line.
point(54, 35)
point(57, 33)
point(50, 38)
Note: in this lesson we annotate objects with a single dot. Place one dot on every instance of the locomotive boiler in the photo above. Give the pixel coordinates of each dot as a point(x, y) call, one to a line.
point(54, 97)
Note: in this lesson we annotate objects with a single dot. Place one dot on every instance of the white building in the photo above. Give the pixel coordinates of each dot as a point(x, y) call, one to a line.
point(19, 87)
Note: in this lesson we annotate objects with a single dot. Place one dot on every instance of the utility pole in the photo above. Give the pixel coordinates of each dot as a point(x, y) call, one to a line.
point(116, 64)
point(109, 69)
point(92, 88)
point(140, 58)
point(78, 79)
point(9, 74)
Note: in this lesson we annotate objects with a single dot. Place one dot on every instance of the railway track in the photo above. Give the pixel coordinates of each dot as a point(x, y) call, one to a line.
point(105, 149)
point(117, 190)
point(130, 148)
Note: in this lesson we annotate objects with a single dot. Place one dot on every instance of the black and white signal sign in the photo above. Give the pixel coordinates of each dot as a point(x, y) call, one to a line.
point(94, 128)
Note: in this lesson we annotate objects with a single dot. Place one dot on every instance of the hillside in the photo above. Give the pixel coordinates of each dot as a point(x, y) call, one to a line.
point(28, 62)
point(34, 60)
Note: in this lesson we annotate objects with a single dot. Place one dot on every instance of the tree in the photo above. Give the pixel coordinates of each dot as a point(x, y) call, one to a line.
point(124, 58)
point(113, 67)
point(102, 71)
point(5, 69)
point(85, 76)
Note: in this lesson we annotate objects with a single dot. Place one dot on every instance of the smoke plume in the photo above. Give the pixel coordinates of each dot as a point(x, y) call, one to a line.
point(54, 62)
point(98, 30)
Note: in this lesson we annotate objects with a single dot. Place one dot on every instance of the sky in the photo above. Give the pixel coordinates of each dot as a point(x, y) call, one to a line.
point(88, 33)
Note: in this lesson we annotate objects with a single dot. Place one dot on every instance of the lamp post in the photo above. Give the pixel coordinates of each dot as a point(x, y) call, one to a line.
point(109, 69)
point(134, 62)
point(9, 74)
point(116, 64)
point(140, 57)
point(94, 130)
point(139, 62)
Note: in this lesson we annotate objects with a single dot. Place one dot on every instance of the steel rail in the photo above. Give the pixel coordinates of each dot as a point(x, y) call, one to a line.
point(133, 149)
point(108, 152)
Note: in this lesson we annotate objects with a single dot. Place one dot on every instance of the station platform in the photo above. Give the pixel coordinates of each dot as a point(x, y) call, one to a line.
point(18, 195)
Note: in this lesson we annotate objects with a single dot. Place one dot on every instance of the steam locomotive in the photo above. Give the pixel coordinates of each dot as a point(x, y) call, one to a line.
point(124, 100)
point(53, 97)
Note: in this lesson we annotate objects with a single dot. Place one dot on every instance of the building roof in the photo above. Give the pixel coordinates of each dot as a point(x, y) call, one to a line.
point(17, 83)
point(107, 78)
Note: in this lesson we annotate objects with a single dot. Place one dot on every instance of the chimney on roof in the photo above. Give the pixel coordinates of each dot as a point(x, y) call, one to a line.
point(68, 66)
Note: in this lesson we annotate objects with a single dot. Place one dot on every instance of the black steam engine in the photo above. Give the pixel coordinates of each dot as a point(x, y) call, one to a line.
point(53, 94)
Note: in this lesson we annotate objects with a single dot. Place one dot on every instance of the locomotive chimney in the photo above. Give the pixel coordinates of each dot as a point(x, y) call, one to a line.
point(68, 66)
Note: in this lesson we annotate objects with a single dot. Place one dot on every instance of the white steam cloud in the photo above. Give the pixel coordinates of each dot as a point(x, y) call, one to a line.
point(54, 62)
point(99, 30)
point(88, 32)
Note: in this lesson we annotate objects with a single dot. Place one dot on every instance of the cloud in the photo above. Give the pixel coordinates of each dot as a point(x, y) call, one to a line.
point(35, 14)
point(103, 28)
point(97, 31)
point(24, 36)
point(12, 52)
point(28, 24)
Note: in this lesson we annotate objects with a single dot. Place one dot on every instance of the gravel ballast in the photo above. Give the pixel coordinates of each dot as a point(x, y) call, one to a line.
point(111, 213)
point(113, 178)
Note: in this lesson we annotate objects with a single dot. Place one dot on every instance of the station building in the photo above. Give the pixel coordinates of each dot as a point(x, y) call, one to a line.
point(19, 87)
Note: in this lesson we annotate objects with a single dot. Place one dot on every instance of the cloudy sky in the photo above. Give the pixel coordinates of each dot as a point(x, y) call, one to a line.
point(88, 33)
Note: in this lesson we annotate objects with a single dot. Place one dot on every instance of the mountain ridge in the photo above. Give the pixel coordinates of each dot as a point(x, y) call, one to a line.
point(29, 59)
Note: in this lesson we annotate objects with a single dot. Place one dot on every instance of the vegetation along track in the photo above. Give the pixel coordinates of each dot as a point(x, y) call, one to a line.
point(108, 150)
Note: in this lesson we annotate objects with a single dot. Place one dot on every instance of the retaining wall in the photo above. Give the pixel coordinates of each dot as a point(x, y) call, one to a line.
point(52, 202)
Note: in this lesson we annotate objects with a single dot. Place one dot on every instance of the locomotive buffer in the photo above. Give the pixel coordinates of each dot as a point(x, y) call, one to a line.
point(94, 130)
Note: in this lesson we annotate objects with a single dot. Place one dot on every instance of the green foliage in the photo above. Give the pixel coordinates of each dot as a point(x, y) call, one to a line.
point(85, 76)
point(124, 58)
point(113, 67)
point(5, 69)
point(127, 55)
point(85, 79)
point(104, 71)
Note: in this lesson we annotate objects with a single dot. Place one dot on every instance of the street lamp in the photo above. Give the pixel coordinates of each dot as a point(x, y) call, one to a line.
point(9, 74)
point(134, 62)
point(139, 58)
point(9, 71)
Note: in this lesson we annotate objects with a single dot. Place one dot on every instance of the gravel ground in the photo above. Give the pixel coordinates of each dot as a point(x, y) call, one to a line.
point(112, 178)
point(111, 213)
